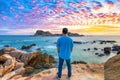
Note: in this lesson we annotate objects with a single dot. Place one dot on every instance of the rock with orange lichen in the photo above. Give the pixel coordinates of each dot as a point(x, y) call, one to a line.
point(8, 64)
point(39, 60)
point(15, 62)
point(34, 59)
point(10, 67)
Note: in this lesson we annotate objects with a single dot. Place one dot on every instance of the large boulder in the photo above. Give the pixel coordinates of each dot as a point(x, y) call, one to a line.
point(112, 68)
point(8, 65)
point(34, 59)
point(39, 60)
point(25, 58)
point(17, 53)
point(19, 71)
point(107, 50)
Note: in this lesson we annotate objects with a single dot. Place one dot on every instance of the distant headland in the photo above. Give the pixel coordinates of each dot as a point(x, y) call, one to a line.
point(47, 33)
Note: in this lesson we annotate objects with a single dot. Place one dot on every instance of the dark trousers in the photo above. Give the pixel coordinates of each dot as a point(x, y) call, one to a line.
point(68, 62)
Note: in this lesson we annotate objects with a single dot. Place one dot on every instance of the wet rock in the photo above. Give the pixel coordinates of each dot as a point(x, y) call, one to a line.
point(77, 62)
point(118, 52)
point(94, 42)
point(39, 49)
point(33, 44)
point(101, 55)
point(6, 46)
point(102, 49)
point(77, 42)
point(95, 48)
point(27, 47)
point(110, 41)
point(107, 41)
point(88, 49)
point(96, 53)
point(84, 49)
point(116, 48)
point(107, 50)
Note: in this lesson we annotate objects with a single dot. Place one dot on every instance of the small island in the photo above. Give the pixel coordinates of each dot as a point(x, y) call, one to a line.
point(47, 33)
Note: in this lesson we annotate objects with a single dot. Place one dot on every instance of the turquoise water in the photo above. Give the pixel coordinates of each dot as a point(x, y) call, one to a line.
point(47, 45)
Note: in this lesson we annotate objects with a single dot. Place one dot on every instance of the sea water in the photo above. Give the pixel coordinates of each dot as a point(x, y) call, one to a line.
point(48, 45)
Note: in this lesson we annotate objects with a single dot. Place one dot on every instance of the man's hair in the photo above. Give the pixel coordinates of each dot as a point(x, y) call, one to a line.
point(65, 30)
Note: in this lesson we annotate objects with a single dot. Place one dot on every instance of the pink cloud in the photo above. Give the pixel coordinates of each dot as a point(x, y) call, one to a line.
point(21, 7)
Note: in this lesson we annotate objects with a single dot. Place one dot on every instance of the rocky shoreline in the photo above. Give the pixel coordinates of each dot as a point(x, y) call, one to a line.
point(17, 64)
point(105, 50)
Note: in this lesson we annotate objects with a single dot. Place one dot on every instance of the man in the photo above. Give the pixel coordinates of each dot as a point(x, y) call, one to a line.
point(64, 48)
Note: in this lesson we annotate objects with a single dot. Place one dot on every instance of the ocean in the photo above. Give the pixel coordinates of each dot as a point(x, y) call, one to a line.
point(48, 45)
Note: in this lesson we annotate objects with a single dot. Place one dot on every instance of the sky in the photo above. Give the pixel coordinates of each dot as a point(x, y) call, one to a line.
point(89, 17)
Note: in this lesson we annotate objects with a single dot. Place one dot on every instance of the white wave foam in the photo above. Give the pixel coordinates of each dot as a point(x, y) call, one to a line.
point(50, 47)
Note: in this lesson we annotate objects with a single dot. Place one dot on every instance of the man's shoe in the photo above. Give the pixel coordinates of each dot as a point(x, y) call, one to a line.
point(58, 78)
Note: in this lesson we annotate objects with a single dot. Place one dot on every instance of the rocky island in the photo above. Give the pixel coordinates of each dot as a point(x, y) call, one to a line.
point(47, 33)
